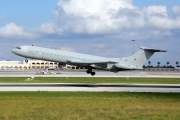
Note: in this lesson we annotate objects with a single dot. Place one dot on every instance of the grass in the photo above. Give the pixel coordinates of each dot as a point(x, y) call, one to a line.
point(86, 105)
point(90, 80)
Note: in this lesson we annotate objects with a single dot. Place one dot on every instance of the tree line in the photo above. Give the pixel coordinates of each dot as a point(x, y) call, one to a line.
point(165, 66)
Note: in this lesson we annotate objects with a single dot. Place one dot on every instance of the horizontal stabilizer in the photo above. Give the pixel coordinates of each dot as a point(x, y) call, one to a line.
point(153, 50)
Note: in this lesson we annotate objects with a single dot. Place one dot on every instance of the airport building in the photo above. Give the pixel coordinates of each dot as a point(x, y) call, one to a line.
point(27, 64)
point(40, 64)
point(32, 64)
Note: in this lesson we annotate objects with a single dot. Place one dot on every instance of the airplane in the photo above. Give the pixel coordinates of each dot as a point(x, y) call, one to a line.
point(134, 62)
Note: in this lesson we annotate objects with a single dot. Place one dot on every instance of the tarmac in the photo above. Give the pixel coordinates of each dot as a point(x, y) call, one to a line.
point(88, 87)
point(84, 87)
point(82, 73)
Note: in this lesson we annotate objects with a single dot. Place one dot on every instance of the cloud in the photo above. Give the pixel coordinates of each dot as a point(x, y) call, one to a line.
point(157, 17)
point(70, 49)
point(11, 30)
point(85, 16)
point(155, 11)
point(98, 45)
point(1, 16)
point(110, 18)
point(176, 10)
point(97, 18)
point(47, 28)
point(88, 8)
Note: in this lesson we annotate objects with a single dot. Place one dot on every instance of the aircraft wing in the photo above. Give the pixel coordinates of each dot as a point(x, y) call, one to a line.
point(99, 65)
point(82, 61)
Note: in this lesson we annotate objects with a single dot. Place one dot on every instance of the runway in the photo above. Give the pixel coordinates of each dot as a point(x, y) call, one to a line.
point(84, 87)
point(82, 73)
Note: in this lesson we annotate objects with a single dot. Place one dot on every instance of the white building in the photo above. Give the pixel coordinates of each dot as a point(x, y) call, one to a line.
point(27, 64)
point(32, 64)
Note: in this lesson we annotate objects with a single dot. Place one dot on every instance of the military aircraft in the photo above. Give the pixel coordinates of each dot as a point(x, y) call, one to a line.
point(134, 62)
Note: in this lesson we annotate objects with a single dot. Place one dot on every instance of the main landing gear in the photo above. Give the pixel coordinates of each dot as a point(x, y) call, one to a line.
point(90, 71)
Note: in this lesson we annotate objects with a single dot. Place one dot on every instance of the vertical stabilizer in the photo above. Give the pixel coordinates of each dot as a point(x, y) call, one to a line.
point(140, 57)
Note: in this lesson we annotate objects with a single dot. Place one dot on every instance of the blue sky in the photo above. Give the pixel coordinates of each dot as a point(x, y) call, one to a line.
point(99, 27)
point(168, 3)
point(21, 12)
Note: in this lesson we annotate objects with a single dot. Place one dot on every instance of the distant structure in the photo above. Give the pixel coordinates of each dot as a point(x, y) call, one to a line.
point(27, 64)
point(40, 64)
point(32, 64)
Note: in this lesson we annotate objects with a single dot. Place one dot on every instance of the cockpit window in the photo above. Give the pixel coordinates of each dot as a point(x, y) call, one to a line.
point(18, 48)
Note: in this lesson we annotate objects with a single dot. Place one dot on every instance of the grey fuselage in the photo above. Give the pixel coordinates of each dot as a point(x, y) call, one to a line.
point(78, 59)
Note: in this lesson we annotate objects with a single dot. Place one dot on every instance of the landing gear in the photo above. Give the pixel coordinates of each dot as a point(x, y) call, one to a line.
point(93, 73)
point(90, 71)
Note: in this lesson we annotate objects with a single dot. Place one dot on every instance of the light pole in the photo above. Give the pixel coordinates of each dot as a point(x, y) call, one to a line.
point(133, 45)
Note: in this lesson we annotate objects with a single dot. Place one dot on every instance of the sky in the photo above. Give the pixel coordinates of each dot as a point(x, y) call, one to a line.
point(98, 27)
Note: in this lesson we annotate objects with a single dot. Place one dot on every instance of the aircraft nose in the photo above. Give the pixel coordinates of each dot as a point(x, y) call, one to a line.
point(13, 50)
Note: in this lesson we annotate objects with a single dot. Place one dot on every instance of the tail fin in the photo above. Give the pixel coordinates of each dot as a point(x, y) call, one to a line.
point(140, 57)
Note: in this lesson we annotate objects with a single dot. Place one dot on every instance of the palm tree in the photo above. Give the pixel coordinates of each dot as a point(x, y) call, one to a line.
point(158, 64)
point(177, 63)
point(167, 64)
